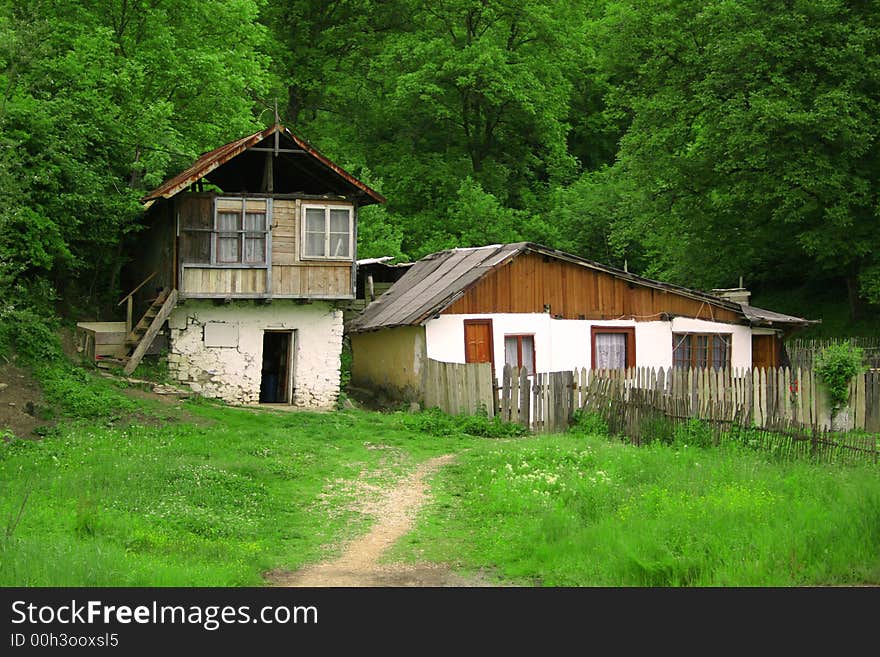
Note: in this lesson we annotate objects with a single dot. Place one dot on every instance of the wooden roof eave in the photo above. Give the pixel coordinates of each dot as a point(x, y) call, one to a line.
point(214, 159)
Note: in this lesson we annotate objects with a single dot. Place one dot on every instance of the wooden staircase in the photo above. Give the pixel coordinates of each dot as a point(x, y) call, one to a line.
point(142, 335)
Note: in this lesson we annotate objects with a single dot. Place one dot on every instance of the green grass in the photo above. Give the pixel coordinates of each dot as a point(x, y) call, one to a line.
point(569, 510)
point(213, 500)
point(127, 491)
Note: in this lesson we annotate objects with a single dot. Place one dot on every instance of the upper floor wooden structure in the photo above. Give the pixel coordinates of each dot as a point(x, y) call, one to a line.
point(263, 217)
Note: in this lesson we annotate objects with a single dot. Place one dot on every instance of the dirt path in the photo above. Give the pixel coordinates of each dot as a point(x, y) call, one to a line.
point(359, 564)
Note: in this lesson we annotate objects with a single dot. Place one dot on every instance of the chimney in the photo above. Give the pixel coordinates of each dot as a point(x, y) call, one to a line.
point(734, 294)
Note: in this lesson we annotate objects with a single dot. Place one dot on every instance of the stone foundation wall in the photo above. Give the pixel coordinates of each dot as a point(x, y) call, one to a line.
point(218, 349)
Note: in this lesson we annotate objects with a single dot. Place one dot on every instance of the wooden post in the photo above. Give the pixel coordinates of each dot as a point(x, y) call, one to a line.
point(756, 397)
point(525, 398)
point(506, 393)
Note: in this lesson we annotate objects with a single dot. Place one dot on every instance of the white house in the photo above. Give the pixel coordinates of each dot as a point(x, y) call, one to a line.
point(545, 310)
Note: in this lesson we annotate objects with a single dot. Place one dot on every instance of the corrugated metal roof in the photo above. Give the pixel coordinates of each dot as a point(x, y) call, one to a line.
point(211, 160)
point(769, 317)
point(430, 285)
point(436, 281)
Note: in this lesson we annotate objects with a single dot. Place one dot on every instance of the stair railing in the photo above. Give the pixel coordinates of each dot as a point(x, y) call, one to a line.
point(128, 298)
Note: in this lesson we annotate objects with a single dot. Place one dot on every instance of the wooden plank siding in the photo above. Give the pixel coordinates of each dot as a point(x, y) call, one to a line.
point(290, 276)
point(529, 282)
point(230, 282)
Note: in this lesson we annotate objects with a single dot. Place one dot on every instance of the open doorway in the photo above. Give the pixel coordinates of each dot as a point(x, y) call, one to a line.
point(276, 373)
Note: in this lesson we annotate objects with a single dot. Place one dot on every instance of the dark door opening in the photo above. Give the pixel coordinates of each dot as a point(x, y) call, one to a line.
point(275, 381)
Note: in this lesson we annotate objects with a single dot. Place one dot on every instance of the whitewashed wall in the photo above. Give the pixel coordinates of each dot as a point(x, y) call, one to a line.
point(218, 349)
point(562, 344)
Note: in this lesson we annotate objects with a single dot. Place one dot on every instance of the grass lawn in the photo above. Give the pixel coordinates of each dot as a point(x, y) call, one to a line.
point(575, 510)
point(129, 491)
point(202, 496)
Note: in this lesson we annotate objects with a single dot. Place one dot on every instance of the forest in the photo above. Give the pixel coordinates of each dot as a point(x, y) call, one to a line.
point(692, 141)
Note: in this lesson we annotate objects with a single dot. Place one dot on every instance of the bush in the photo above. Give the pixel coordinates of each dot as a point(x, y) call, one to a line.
point(29, 335)
point(836, 365)
point(588, 423)
point(437, 423)
point(693, 432)
point(79, 395)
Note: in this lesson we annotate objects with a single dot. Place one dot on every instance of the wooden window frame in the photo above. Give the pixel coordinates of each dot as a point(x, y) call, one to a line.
point(472, 322)
point(326, 207)
point(709, 348)
point(629, 331)
point(519, 356)
point(214, 234)
point(242, 233)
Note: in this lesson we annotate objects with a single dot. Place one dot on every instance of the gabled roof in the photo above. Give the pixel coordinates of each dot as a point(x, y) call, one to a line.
point(209, 162)
point(438, 280)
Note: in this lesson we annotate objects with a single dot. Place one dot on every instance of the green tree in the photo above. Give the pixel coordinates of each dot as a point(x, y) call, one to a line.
point(429, 94)
point(751, 142)
point(100, 101)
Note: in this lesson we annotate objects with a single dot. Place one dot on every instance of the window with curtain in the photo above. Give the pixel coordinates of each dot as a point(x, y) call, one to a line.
point(236, 233)
point(519, 351)
point(700, 350)
point(614, 347)
point(610, 351)
point(327, 232)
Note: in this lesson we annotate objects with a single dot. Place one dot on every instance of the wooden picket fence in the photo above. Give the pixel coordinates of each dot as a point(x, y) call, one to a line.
point(459, 388)
point(755, 397)
point(803, 352)
point(784, 411)
point(545, 402)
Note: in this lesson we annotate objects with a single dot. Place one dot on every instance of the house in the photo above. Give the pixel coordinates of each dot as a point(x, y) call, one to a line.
point(534, 307)
point(249, 256)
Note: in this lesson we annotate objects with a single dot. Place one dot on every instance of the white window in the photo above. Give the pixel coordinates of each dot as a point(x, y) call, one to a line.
point(614, 347)
point(327, 232)
point(519, 351)
point(240, 230)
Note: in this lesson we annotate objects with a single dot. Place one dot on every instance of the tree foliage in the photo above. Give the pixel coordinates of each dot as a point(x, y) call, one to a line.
point(694, 140)
point(753, 138)
point(836, 365)
point(100, 101)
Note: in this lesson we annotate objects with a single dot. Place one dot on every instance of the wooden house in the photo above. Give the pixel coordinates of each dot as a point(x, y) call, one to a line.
point(545, 310)
point(249, 256)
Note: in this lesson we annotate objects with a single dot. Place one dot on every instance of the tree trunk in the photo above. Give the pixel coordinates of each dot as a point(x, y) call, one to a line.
point(852, 294)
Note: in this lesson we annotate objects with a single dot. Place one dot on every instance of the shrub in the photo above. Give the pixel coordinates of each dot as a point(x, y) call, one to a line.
point(437, 423)
point(77, 394)
point(836, 365)
point(29, 335)
point(693, 432)
point(588, 423)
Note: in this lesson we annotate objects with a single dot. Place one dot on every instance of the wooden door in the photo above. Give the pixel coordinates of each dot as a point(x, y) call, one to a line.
point(478, 341)
point(765, 351)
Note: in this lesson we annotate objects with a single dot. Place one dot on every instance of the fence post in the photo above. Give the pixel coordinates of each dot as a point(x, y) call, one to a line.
point(525, 398)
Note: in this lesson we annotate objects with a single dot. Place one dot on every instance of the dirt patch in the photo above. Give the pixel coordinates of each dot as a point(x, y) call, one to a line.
point(359, 565)
point(23, 407)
